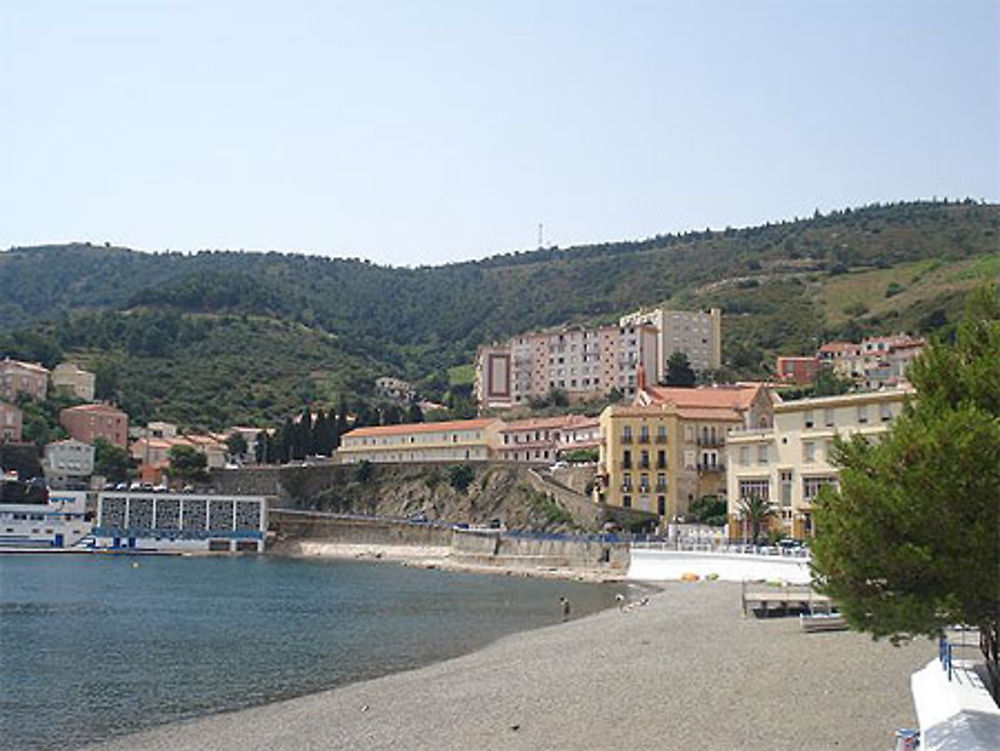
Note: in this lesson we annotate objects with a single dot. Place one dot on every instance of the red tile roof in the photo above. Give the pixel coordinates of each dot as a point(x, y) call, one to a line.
point(732, 397)
point(421, 427)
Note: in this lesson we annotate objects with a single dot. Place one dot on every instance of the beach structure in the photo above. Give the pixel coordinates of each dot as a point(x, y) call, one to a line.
point(180, 522)
point(698, 334)
point(454, 440)
point(33, 518)
point(789, 462)
point(583, 363)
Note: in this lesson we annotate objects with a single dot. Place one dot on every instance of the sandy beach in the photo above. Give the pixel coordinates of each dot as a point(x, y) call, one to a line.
point(685, 671)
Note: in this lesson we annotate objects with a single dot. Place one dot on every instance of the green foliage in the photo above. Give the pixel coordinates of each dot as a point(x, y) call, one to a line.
point(551, 512)
point(187, 463)
point(236, 444)
point(709, 509)
point(112, 462)
point(221, 338)
point(911, 541)
point(363, 472)
point(893, 289)
point(679, 371)
point(757, 513)
point(581, 456)
point(460, 476)
point(433, 477)
point(828, 383)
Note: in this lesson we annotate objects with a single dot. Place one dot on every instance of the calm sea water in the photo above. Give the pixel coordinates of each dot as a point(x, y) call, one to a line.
point(95, 646)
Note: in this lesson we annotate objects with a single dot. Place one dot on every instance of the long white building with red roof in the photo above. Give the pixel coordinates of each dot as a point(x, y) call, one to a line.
point(451, 441)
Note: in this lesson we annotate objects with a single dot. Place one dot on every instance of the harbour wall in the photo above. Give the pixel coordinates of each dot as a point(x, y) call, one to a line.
point(474, 546)
point(669, 565)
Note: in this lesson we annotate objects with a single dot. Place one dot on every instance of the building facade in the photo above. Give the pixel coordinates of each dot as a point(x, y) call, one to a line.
point(798, 370)
point(11, 421)
point(74, 380)
point(18, 377)
point(667, 449)
point(789, 463)
point(88, 422)
point(67, 460)
point(698, 334)
point(543, 440)
point(585, 363)
point(452, 441)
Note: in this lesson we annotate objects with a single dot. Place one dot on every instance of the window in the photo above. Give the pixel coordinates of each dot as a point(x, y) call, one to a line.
point(885, 412)
point(661, 459)
point(627, 459)
point(863, 414)
point(762, 454)
point(744, 455)
point(644, 434)
point(807, 419)
point(627, 482)
point(643, 483)
point(828, 418)
point(627, 501)
point(812, 485)
point(661, 505)
point(644, 459)
point(626, 434)
point(786, 488)
point(661, 434)
point(755, 489)
point(661, 482)
point(809, 451)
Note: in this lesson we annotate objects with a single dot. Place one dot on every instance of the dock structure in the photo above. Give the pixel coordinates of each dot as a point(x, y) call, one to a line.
point(763, 599)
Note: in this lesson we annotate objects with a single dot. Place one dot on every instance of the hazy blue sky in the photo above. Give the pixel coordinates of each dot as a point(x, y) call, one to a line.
point(426, 132)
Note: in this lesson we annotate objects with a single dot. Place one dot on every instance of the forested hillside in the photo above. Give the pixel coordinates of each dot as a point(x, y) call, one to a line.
point(218, 337)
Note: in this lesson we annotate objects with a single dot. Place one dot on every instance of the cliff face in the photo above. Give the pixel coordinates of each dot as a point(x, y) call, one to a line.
point(440, 493)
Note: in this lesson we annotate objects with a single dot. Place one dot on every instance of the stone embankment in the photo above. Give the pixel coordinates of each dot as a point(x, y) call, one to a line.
point(312, 533)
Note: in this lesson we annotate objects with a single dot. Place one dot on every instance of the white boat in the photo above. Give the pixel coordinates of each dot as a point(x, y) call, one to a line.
point(822, 622)
point(36, 519)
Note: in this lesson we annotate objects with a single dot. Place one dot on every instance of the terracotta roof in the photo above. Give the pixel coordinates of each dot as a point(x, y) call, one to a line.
point(708, 413)
point(559, 421)
point(838, 347)
point(26, 365)
point(733, 397)
point(105, 408)
point(421, 427)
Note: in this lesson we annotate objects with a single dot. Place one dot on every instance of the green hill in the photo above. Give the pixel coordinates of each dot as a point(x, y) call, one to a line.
point(219, 337)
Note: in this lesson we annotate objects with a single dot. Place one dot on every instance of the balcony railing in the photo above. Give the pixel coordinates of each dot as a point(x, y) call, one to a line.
point(643, 438)
point(661, 439)
point(626, 438)
point(711, 440)
point(626, 464)
point(708, 467)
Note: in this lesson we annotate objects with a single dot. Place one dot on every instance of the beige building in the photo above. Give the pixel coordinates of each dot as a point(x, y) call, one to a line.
point(585, 363)
point(697, 334)
point(11, 421)
point(74, 380)
point(453, 441)
point(668, 448)
point(543, 439)
point(788, 463)
point(18, 377)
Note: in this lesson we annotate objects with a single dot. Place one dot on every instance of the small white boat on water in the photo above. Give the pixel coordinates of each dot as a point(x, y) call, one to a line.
point(812, 622)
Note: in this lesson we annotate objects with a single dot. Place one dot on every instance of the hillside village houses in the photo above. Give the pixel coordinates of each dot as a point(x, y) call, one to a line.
point(67, 461)
point(877, 362)
point(88, 422)
point(787, 463)
point(11, 420)
point(74, 381)
point(18, 377)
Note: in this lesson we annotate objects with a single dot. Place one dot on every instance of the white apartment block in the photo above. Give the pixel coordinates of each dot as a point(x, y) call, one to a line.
point(68, 459)
point(788, 463)
point(585, 363)
point(697, 334)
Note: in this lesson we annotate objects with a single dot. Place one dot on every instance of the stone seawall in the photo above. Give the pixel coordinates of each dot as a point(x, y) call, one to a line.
point(474, 547)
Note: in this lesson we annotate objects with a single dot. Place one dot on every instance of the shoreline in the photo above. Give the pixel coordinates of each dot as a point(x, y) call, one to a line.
point(442, 558)
point(684, 671)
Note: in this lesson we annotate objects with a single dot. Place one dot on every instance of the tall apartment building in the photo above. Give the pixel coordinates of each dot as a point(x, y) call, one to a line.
point(788, 463)
point(88, 422)
point(18, 377)
point(697, 334)
point(586, 363)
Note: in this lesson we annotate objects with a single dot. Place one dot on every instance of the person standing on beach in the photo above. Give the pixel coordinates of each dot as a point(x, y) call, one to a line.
point(565, 607)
